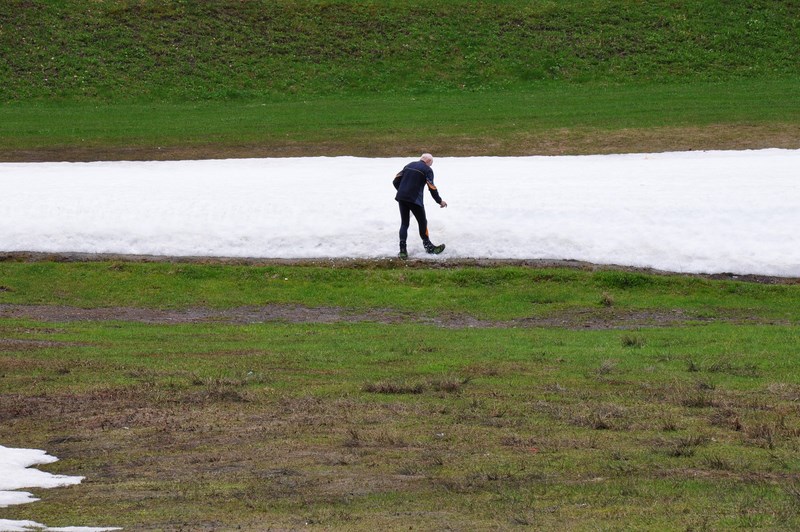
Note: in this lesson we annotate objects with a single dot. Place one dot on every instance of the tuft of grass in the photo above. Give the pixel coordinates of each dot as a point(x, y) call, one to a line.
point(697, 399)
point(393, 387)
point(606, 300)
point(719, 463)
point(766, 434)
point(726, 366)
point(633, 341)
point(217, 394)
point(606, 367)
point(669, 424)
point(685, 446)
point(450, 384)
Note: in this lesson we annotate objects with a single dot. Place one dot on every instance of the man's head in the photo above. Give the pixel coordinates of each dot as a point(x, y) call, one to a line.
point(427, 158)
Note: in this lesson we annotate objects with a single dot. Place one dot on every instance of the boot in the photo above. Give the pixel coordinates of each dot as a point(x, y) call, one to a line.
point(430, 248)
point(403, 252)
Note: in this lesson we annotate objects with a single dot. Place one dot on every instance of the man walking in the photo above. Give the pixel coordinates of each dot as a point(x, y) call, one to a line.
point(410, 183)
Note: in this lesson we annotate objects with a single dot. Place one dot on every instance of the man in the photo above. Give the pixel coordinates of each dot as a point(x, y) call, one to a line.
point(410, 183)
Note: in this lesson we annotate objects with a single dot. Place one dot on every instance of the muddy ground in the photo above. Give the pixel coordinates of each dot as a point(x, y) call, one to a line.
point(562, 141)
point(591, 319)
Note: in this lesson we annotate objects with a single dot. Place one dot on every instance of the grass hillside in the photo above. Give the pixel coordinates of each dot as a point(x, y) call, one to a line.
point(181, 79)
point(225, 49)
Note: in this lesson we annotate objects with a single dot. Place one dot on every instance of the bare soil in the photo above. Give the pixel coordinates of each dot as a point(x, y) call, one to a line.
point(565, 141)
point(578, 319)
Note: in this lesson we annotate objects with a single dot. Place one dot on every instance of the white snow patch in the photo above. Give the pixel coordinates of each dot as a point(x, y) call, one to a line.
point(16, 474)
point(694, 212)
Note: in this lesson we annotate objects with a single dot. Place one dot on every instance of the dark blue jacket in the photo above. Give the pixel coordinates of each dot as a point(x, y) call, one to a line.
point(410, 183)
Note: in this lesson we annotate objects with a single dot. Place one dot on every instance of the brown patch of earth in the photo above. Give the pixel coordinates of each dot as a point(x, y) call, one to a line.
point(563, 141)
point(580, 318)
point(274, 448)
point(16, 344)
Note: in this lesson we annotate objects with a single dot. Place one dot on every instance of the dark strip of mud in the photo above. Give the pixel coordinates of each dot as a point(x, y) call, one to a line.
point(575, 319)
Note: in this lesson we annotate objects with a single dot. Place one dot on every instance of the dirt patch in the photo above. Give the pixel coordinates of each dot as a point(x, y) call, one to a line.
point(17, 344)
point(240, 315)
point(577, 319)
point(563, 141)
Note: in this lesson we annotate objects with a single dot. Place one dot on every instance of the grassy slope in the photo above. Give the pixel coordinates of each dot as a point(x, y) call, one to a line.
point(376, 77)
point(222, 50)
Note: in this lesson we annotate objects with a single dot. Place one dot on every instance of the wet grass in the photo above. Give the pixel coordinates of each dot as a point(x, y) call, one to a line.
point(354, 425)
point(498, 293)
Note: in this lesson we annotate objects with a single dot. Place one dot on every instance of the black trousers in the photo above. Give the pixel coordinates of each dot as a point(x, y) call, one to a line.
point(406, 208)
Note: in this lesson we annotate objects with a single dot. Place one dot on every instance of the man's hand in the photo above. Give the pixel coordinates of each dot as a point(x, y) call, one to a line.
point(443, 204)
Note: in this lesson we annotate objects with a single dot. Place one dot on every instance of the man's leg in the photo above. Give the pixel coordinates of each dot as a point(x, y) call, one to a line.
point(422, 221)
point(405, 221)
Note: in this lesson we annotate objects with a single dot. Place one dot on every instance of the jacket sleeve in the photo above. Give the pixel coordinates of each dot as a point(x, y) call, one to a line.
point(397, 180)
point(434, 192)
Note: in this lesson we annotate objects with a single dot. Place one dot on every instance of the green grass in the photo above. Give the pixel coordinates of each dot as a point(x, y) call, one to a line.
point(120, 79)
point(357, 425)
point(455, 123)
point(500, 293)
point(226, 50)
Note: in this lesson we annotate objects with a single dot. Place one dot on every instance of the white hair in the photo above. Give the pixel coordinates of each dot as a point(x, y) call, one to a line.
point(427, 158)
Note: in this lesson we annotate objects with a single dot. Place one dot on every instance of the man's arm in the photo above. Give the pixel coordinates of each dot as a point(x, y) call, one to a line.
point(435, 194)
point(397, 179)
